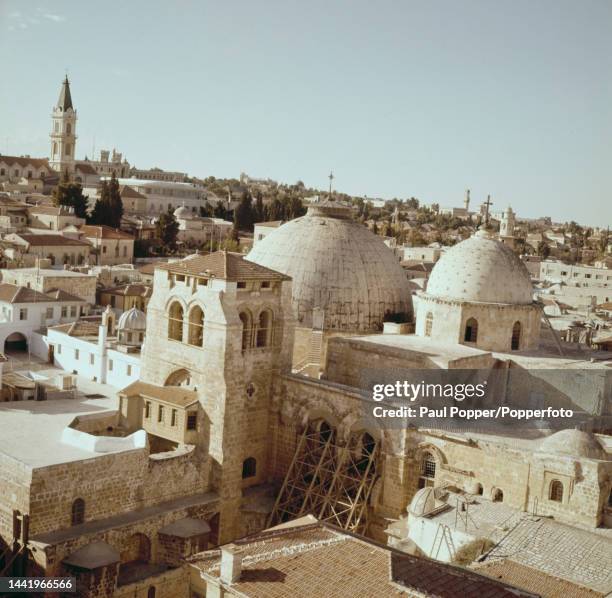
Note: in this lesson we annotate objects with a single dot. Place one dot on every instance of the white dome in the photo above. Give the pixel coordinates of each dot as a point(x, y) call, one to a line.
point(182, 213)
point(423, 502)
point(481, 269)
point(133, 319)
point(344, 276)
point(575, 443)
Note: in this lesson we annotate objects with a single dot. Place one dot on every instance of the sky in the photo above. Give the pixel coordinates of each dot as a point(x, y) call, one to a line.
point(398, 98)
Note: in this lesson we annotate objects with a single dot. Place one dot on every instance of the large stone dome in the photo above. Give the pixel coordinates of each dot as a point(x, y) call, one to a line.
point(573, 442)
point(482, 270)
point(344, 276)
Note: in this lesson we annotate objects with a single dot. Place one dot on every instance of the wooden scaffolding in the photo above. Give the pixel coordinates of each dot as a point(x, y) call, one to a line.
point(328, 479)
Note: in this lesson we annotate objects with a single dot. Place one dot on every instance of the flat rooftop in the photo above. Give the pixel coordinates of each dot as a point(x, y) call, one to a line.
point(47, 272)
point(438, 352)
point(32, 430)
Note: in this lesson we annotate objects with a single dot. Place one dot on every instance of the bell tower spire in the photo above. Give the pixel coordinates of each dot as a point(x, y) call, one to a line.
point(63, 131)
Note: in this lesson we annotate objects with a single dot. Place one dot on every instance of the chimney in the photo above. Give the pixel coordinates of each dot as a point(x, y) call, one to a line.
point(231, 564)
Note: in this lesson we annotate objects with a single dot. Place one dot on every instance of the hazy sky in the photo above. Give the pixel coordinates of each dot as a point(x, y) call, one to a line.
point(399, 98)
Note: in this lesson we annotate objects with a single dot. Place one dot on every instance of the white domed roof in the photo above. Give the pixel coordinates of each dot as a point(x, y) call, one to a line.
point(481, 269)
point(423, 502)
point(133, 319)
point(343, 274)
point(575, 443)
point(182, 213)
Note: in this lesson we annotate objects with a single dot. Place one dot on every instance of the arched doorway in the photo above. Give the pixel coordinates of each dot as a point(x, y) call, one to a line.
point(15, 342)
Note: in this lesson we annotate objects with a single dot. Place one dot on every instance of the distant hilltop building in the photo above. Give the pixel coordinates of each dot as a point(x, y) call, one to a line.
point(262, 184)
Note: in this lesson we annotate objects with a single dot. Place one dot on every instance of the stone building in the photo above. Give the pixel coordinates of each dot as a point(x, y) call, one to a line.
point(112, 246)
point(480, 293)
point(99, 348)
point(345, 280)
point(219, 439)
point(48, 280)
point(194, 229)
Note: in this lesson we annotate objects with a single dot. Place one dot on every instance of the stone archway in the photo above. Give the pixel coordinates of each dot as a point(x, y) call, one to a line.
point(15, 342)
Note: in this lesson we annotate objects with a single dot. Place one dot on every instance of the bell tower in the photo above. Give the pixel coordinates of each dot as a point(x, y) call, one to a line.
point(63, 132)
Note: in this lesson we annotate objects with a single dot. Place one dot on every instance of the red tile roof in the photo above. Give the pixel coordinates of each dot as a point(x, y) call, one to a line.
point(321, 560)
point(104, 232)
point(534, 580)
point(85, 168)
point(55, 240)
point(23, 161)
point(223, 265)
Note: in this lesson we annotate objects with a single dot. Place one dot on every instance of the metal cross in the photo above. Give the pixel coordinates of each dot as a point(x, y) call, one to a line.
point(488, 204)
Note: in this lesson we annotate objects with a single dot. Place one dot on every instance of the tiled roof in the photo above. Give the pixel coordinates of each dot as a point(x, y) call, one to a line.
point(533, 580)
point(48, 240)
point(104, 232)
point(150, 268)
point(320, 560)
point(127, 191)
point(129, 290)
point(61, 295)
point(85, 168)
point(80, 328)
point(223, 265)
point(175, 395)
point(11, 293)
point(447, 581)
point(23, 161)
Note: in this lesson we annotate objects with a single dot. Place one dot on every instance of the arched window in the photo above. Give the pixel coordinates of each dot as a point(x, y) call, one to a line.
point(175, 321)
point(54, 149)
point(247, 325)
point(151, 592)
point(428, 323)
point(479, 489)
point(249, 468)
point(515, 343)
point(196, 326)
point(471, 331)
point(367, 448)
point(264, 329)
point(67, 151)
point(610, 499)
point(68, 128)
point(555, 492)
point(497, 495)
point(78, 512)
point(180, 377)
point(428, 467)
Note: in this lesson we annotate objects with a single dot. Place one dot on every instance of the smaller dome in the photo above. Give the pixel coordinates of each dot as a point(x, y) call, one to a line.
point(133, 319)
point(182, 213)
point(423, 502)
point(573, 442)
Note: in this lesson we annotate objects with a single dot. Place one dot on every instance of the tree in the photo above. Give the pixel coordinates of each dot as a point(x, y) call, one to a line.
point(70, 195)
point(220, 211)
point(167, 230)
point(543, 249)
point(259, 209)
point(115, 202)
point(244, 216)
point(109, 207)
point(275, 210)
point(206, 210)
point(101, 212)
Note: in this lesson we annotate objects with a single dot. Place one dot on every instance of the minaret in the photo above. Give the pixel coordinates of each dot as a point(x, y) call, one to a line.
point(506, 227)
point(466, 201)
point(63, 137)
